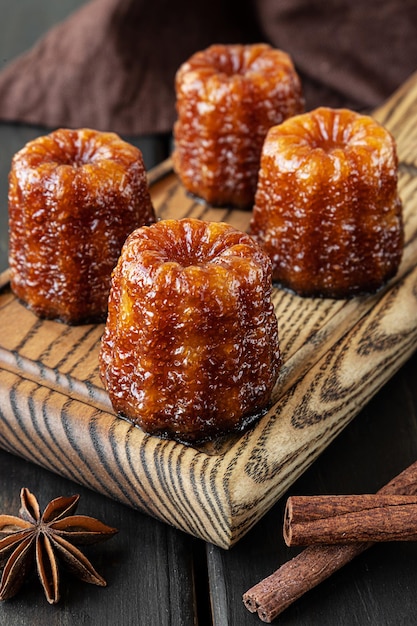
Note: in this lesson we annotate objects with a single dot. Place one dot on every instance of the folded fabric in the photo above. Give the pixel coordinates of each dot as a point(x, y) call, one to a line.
point(350, 52)
point(111, 65)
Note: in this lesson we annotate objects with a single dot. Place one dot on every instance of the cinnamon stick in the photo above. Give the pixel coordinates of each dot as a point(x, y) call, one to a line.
point(310, 520)
point(275, 593)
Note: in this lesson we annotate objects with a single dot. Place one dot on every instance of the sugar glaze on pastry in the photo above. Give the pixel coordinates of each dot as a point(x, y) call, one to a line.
point(228, 96)
point(327, 209)
point(74, 197)
point(190, 348)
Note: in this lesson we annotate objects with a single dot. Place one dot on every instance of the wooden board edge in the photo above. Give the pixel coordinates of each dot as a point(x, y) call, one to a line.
point(326, 400)
point(161, 478)
point(4, 278)
point(217, 499)
point(160, 171)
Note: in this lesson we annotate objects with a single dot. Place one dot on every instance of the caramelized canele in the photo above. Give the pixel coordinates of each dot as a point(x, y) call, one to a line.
point(190, 347)
point(74, 196)
point(327, 209)
point(228, 96)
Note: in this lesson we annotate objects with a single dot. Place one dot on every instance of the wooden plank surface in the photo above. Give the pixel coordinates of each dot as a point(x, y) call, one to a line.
point(336, 355)
point(377, 588)
point(148, 558)
point(153, 571)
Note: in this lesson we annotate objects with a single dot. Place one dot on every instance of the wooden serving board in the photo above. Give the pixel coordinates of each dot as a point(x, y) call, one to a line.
point(337, 354)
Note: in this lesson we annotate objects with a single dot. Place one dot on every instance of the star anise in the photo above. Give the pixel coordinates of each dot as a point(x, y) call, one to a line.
point(47, 539)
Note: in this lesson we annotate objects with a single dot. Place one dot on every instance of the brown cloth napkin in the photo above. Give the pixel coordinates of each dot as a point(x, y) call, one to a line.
point(349, 52)
point(111, 64)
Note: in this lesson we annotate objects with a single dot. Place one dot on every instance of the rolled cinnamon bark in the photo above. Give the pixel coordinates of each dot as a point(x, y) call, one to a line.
point(275, 593)
point(310, 520)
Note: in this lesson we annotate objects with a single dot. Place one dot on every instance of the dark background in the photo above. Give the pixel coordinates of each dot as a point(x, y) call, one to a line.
point(158, 576)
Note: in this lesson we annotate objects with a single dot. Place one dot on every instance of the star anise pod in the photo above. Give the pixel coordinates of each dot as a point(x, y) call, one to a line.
point(47, 539)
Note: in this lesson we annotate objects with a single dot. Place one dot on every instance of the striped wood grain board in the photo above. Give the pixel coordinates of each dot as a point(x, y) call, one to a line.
point(337, 354)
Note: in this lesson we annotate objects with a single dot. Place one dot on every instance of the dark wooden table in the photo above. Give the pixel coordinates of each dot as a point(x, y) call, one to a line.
point(158, 576)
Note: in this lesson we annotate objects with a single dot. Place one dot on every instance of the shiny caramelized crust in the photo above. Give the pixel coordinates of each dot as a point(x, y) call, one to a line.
point(228, 96)
point(74, 196)
point(190, 348)
point(327, 209)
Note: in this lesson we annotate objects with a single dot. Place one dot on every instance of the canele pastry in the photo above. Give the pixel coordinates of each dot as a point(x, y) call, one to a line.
point(327, 209)
point(228, 96)
point(74, 196)
point(190, 348)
